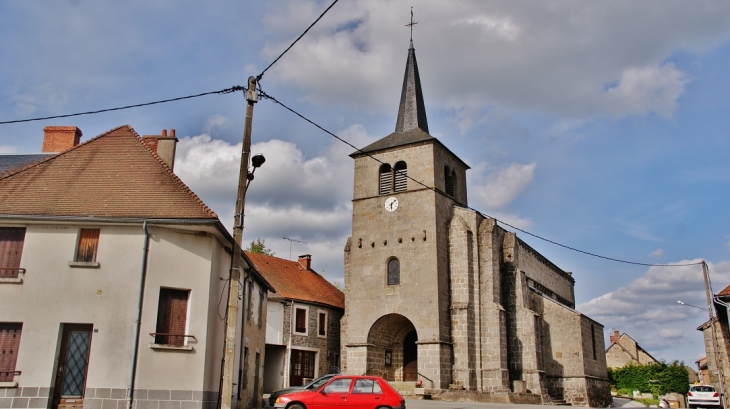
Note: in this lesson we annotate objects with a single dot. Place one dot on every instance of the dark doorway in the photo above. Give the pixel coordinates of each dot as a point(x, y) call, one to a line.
point(73, 364)
point(410, 357)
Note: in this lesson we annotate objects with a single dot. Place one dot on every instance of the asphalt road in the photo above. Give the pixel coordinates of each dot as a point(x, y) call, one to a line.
point(438, 404)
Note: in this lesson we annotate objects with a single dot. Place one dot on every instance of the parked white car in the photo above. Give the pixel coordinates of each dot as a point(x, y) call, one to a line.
point(703, 396)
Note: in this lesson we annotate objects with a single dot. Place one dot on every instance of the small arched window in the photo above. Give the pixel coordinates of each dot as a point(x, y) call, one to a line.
point(449, 178)
point(401, 177)
point(393, 271)
point(386, 179)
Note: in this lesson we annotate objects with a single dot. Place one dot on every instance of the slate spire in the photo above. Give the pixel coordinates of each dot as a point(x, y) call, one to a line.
point(412, 110)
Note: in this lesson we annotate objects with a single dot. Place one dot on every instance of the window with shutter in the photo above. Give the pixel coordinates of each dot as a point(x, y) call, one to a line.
point(11, 248)
point(9, 344)
point(88, 245)
point(172, 317)
point(401, 177)
point(386, 179)
point(300, 320)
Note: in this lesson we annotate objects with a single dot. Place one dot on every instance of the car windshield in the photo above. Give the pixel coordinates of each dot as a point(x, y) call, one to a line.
point(702, 389)
point(315, 384)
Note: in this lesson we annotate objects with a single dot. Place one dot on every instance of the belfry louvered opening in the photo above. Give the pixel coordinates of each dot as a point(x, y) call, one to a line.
point(450, 179)
point(386, 179)
point(401, 177)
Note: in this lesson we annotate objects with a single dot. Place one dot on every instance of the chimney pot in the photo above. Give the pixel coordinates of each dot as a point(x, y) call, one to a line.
point(306, 261)
point(163, 146)
point(60, 138)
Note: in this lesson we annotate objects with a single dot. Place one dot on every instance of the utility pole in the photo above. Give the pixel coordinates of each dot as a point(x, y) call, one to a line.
point(232, 310)
point(715, 345)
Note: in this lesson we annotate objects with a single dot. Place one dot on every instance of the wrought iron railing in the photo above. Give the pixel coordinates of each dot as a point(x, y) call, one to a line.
point(11, 272)
point(170, 339)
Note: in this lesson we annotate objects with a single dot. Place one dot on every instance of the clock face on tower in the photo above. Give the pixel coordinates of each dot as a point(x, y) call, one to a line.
point(391, 204)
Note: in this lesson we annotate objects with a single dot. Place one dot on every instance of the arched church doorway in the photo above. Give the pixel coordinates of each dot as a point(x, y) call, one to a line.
point(410, 357)
point(392, 346)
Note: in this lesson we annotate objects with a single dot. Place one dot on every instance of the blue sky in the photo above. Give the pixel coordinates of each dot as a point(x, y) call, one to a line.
point(599, 125)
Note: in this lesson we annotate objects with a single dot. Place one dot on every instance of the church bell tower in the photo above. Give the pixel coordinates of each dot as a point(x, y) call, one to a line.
point(397, 317)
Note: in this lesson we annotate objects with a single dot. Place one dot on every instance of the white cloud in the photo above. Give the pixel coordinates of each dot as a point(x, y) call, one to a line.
point(305, 198)
point(641, 91)
point(658, 253)
point(550, 57)
point(501, 187)
point(647, 308)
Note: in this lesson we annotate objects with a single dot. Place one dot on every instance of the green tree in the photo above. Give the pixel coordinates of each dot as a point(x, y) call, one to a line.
point(258, 246)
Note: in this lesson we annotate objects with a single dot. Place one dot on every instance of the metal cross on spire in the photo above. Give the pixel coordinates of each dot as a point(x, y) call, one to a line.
point(411, 24)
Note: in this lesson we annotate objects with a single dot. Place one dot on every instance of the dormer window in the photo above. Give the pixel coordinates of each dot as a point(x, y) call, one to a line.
point(401, 177)
point(386, 179)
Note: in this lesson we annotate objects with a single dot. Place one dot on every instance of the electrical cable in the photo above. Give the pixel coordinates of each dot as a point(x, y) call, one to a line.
point(264, 95)
point(223, 91)
point(258, 77)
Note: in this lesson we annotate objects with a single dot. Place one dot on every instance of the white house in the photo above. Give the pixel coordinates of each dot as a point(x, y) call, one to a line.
point(111, 275)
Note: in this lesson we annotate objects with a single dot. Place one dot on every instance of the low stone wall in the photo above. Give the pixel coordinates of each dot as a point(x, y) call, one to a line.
point(483, 397)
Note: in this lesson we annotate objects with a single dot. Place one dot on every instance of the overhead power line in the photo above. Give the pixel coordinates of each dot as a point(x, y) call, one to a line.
point(223, 91)
point(258, 78)
point(588, 253)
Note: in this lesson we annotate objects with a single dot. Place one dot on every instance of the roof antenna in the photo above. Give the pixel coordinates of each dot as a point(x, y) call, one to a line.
point(411, 24)
point(290, 242)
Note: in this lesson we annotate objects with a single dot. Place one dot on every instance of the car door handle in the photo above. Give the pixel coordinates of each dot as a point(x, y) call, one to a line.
point(344, 397)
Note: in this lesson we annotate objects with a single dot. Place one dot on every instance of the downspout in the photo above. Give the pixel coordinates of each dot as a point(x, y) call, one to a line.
point(138, 322)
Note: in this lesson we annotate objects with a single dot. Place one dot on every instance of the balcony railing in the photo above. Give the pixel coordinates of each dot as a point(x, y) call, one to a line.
point(11, 272)
point(170, 339)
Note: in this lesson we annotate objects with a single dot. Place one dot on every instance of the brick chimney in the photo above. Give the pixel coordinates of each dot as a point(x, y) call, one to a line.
point(306, 261)
point(163, 145)
point(60, 138)
point(615, 337)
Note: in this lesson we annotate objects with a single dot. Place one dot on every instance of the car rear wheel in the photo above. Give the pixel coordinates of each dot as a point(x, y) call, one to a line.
point(296, 406)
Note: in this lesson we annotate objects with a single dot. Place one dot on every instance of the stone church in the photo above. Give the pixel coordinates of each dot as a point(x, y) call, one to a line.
point(442, 296)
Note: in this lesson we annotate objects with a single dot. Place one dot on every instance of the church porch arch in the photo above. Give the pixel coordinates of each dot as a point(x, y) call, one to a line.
point(392, 351)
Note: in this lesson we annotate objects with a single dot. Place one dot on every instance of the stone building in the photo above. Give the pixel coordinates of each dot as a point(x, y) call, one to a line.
point(624, 349)
point(439, 294)
point(716, 334)
point(111, 273)
point(303, 322)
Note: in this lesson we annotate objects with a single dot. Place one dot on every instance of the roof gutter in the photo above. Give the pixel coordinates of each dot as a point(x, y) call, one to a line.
point(145, 221)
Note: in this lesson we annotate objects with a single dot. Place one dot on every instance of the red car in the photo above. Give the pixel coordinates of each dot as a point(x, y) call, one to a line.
point(346, 392)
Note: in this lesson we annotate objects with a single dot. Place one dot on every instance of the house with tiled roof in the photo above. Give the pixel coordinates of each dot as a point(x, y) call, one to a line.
point(624, 350)
point(111, 272)
point(717, 344)
point(303, 322)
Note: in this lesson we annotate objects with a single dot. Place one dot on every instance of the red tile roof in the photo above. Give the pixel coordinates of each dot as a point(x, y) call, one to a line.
point(292, 281)
point(725, 291)
point(112, 175)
